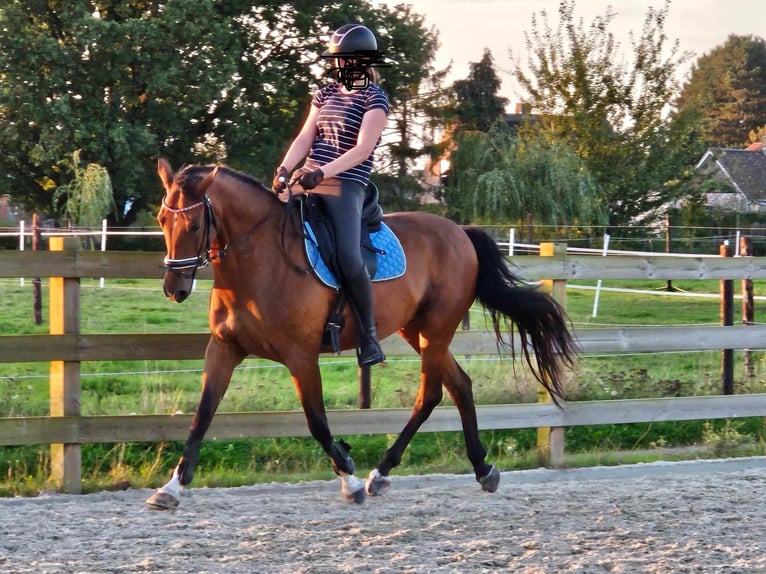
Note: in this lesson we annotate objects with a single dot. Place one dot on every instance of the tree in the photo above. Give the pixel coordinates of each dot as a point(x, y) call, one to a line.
point(203, 81)
point(413, 87)
point(614, 114)
point(728, 87)
point(501, 177)
point(477, 103)
point(87, 199)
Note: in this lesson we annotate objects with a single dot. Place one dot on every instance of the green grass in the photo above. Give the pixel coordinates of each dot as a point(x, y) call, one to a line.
point(147, 387)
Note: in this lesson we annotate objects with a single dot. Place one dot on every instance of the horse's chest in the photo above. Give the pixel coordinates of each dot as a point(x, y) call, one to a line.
point(232, 320)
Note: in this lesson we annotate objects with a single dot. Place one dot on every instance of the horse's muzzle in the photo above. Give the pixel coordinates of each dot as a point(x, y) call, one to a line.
point(176, 287)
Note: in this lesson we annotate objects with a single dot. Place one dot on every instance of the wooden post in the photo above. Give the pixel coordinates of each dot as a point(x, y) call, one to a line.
point(36, 283)
point(530, 229)
point(365, 383)
point(64, 318)
point(668, 249)
point(727, 320)
point(550, 440)
point(748, 309)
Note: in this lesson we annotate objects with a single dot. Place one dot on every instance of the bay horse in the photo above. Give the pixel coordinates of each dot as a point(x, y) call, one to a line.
point(262, 304)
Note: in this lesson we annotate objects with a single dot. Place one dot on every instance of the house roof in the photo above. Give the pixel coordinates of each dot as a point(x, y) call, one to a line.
point(745, 169)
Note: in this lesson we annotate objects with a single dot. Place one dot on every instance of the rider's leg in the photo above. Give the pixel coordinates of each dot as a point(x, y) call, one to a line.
point(345, 211)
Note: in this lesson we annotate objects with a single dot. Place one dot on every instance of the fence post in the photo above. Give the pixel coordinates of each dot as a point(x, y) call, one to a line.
point(37, 303)
point(550, 440)
point(64, 319)
point(748, 310)
point(727, 320)
point(103, 247)
point(22, 241)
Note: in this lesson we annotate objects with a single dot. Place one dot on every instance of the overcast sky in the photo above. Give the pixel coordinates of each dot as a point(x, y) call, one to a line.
point(467, 27)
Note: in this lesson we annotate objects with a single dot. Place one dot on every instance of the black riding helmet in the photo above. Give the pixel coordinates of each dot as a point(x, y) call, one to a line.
point(351, 40)
point(355, 49)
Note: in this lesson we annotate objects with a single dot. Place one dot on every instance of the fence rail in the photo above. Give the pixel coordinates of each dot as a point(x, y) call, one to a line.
point(70, 347)
point(141, 265)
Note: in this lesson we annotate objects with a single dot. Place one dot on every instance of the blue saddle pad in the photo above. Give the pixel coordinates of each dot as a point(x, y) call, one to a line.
point(392, 263)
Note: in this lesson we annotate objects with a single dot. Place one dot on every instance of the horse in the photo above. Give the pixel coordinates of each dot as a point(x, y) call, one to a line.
point(265, 303)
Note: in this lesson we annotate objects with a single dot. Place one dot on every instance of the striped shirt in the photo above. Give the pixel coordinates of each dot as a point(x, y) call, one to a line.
point(338, 124)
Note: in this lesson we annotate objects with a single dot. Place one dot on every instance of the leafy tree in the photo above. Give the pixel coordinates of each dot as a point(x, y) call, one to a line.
point(413, 87)
point(202, 81)
point(728, 87)
point(478, 105)
point(501, 176)
point(613, 113)
point(87, 199)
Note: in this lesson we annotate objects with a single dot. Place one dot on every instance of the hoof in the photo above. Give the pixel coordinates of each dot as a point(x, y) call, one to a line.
point(162, 501)
point(377, 485)
point(490, 482)
point(356, 497)
point(353, 489)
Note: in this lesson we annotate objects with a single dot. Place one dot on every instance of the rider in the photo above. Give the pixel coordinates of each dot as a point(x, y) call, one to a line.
point(340, 135)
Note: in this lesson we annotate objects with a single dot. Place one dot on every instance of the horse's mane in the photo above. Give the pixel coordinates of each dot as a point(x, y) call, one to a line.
point(188, 176)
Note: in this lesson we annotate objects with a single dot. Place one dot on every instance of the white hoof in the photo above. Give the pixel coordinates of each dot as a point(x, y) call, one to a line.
point(162, 501)
point(377, 484)
point(169, 496)
point(352, 488)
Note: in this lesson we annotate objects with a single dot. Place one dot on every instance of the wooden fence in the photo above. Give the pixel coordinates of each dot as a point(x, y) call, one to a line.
point(65, 347)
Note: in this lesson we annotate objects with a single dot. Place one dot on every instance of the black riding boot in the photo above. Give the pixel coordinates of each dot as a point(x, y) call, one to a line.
point(359, 290)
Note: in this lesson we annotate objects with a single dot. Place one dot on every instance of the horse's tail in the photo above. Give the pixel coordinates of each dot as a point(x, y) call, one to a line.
point(541, 321)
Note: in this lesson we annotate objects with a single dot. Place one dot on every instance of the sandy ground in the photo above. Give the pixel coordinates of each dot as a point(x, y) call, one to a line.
point(703, 517)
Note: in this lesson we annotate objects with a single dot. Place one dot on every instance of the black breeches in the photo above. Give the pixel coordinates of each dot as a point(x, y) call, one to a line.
point(345, 211)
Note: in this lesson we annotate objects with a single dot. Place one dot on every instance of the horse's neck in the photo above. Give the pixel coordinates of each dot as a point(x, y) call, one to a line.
point(246, 213)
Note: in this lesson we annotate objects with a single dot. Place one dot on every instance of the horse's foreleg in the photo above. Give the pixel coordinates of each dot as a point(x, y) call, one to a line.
point(220, 361)
point(308, 384)
point(459, 386)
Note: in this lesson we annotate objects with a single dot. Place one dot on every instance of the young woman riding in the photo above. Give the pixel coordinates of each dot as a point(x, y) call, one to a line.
point(338, 142)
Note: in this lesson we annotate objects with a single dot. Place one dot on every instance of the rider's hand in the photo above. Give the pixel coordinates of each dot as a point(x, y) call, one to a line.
point(310, 179)
point(279, 182)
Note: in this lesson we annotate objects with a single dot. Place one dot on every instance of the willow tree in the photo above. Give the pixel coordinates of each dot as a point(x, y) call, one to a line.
point(87, 198)
point(502, 177)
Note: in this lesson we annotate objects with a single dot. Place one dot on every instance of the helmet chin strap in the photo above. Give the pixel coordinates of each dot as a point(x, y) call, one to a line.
point(353, 77)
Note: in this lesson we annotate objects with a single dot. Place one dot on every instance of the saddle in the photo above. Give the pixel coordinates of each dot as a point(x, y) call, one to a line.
point(381, 251)
point(318, 226)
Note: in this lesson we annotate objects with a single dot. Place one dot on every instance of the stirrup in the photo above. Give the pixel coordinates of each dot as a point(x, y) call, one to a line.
point(370, 355)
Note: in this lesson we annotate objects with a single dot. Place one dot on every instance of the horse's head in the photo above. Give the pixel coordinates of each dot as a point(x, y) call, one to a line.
point(188, 225)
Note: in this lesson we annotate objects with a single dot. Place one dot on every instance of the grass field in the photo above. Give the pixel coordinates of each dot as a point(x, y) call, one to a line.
point(148, 387)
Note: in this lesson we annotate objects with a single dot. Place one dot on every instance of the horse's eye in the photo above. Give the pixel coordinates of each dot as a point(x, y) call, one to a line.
point(195, 226)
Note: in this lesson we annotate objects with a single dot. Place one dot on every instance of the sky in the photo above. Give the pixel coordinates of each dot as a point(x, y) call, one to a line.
point(467, 27)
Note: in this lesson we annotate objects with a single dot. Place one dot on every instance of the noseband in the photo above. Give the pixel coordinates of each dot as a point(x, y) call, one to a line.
point(203, 257)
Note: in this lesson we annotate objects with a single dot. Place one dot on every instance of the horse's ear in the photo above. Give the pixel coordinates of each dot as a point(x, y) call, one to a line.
point(165, 172)
point(205, 184)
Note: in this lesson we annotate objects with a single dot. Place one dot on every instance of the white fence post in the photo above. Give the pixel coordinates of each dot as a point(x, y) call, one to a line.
point(21, 245)
point(511, 241)
point(598, 283)
point(103, 247)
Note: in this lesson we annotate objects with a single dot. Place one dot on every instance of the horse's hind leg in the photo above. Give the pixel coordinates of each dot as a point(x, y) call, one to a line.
point(308, 384)
point(459, 386)
point(438, 367)
point(220, 361)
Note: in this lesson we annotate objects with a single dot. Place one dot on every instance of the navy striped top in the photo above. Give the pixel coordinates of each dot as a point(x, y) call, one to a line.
point(338, 124)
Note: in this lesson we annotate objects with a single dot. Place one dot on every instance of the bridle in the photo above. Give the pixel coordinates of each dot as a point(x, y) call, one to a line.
point(203, 257)
point(204, 253)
